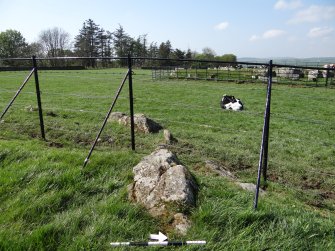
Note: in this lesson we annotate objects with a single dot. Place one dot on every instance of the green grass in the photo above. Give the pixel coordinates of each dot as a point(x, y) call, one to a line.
point(48, 201)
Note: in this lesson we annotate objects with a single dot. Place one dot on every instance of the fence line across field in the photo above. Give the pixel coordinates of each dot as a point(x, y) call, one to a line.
point(263, 157)
point(179, 105)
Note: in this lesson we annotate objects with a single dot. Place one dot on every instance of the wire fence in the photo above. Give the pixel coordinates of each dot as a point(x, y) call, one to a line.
point(211, 75)
point(219, 71)
point(244, 73)
point(296, 72)
point(232, 71)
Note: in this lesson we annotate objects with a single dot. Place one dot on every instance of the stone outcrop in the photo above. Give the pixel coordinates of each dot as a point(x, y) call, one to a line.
point(165, 187)
point(169, 138)
point(181, 223)
point(217, 168)
point(250, 187)
point(141, 122)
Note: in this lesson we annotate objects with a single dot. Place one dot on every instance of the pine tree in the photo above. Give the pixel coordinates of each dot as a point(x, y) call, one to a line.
point(165, 51)
point(122, 42)
point(87, 42)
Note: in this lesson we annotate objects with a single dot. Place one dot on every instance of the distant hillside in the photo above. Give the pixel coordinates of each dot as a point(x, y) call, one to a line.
point(292, 61)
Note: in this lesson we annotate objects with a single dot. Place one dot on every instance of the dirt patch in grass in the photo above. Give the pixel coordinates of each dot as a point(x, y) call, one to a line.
point(55, 144)
point(311, 183)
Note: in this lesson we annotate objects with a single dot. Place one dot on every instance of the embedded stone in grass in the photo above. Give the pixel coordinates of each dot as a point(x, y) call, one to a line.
point(169, 139)
point(141, 122)
point(217, 168)
point(51, 114)
point(250, 187)
point(181, 223)
point(30, 108)
point(119, 117)
point(146, 125)
point(164, 186)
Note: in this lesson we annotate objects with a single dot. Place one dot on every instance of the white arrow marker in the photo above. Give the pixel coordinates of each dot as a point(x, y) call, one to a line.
point(159, 237)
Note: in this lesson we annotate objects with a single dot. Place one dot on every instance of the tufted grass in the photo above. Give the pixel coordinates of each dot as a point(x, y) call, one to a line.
point(49, 202)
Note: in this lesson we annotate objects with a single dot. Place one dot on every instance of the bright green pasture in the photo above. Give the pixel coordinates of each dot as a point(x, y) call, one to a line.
point(48, 201)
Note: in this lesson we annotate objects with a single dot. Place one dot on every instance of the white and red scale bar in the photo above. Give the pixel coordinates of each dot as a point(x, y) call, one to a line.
point(158, 243)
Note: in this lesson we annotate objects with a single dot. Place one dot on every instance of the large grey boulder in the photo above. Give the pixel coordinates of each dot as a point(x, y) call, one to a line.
point(141, 122)
point(164, 186)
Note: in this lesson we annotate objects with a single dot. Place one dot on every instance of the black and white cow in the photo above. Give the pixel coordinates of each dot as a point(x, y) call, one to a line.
point(231, 103)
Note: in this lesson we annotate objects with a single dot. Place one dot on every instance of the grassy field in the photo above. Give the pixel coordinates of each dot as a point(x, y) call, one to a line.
point(49, 202)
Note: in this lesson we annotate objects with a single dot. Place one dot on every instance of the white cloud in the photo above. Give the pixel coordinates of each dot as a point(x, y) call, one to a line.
point(314, 13)
point(273, 33)
point(288, 5)
point(318, 32)
point(254, 38)
point(221, 26)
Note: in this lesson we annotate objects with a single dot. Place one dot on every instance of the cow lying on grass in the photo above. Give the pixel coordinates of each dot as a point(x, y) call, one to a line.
point(231, 103)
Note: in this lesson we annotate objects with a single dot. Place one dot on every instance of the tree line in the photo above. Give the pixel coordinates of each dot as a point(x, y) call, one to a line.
point(93, 41)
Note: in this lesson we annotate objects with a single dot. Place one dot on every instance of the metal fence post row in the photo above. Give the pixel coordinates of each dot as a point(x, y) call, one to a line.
point(131, 103)
point(38, 95)
point(263, 155)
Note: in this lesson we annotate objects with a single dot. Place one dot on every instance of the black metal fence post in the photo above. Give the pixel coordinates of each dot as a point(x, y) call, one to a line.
point(263, 156)
point(131, 103)
point(268, 112)
point(38, 95)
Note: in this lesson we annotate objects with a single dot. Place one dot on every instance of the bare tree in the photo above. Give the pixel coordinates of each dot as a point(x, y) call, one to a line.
point(55, 41)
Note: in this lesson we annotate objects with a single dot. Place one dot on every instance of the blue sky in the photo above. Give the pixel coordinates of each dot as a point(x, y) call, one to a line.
point(248, 28)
